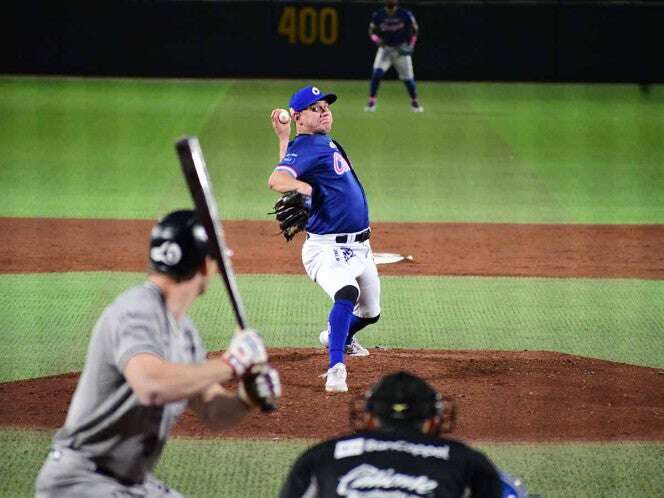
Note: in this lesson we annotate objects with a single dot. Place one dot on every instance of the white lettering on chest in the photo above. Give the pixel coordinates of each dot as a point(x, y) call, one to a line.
point(368, 477)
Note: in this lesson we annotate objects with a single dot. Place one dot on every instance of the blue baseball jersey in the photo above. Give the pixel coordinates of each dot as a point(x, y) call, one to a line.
point(338, 202)
point(394, 29)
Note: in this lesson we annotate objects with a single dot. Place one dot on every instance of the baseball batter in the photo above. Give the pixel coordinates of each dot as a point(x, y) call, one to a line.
point(336, 253)
point(145, 362)
point(394, 30)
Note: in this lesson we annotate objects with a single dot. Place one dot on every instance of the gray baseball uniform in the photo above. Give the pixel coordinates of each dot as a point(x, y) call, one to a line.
point(110, 441)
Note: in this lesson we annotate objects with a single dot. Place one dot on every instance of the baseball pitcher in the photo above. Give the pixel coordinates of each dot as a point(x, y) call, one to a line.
point(145, 363)
point(323, 195)
point(394, 30)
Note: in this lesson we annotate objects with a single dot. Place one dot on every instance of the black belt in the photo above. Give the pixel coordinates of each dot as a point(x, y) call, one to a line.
point(360, 237)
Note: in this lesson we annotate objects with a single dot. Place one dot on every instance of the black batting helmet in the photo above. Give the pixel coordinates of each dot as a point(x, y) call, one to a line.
point(405, 399)
point(178, 244)
point(403, 396)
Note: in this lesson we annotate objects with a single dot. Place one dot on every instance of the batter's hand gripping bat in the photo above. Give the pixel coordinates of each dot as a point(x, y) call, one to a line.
point(198, 180)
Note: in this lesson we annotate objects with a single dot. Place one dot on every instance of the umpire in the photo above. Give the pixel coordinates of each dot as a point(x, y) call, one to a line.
point(145, 363)
point(398, 451)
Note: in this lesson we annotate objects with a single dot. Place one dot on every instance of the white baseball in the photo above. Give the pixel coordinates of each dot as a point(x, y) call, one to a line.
point(283, 116)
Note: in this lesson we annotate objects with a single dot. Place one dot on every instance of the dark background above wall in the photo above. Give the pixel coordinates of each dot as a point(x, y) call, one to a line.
point(495, 41)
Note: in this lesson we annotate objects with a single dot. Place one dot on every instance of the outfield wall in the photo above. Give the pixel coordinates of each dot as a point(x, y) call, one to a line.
point(460, 41)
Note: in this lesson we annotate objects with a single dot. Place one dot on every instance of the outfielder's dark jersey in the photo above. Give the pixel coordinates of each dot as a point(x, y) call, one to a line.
point(394, 29)
point(404, 465)
point(338, 202)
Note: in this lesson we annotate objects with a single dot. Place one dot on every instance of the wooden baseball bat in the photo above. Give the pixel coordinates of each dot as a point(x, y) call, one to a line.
point(198, 180)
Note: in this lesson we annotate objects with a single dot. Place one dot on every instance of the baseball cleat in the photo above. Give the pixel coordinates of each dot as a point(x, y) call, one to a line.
point(416, 107)
point(355, 349)
point(336, 379)
point(370, 107)
point(352, 349)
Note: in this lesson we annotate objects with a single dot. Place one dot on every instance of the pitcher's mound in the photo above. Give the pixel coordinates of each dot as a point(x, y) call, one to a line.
point(502, 396)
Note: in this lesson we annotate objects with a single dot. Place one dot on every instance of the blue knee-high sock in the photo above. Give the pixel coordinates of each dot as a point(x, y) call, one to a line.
point(338, 322)
point(412, 90)
point(375, 82)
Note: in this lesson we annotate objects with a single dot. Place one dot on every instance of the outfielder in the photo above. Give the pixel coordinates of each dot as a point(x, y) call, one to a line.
point(324, 195)
point(396, 450)
point(394, 30)
point(145, 362)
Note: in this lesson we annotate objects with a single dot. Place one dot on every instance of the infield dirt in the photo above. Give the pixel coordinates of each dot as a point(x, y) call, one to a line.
point(511, 396)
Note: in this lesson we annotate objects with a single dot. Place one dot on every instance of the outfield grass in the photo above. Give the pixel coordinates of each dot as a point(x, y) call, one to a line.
point(239, 469)
point(479, 152)
point(595, 147)
point(48, 317)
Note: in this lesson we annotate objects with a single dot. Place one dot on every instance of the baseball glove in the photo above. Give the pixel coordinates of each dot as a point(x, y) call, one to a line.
point(260, 386)
point(406, 49)
point(292, 212)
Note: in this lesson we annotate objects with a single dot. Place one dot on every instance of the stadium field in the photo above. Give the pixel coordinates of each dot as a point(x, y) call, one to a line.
point(93, 151)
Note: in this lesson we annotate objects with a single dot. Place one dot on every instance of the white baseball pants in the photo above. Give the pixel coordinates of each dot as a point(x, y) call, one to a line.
point(333, 266)
point(388, 56)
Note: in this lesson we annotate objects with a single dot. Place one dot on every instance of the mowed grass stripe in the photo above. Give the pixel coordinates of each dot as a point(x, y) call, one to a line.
point(480, 152)
point(97, 148)
point(458, 167)
point(258, 468)
point(48, 318)
point(594, 146)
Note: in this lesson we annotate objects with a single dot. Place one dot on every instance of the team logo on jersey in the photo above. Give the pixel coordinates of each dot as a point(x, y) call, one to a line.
point(357, 446)
point(349, 447)
point(389, 25)
point(288, 159)
point(200, 233)
point(367, 480)
point(348, 253)
point(340, 164)
point(168, 253)
point(345, 253)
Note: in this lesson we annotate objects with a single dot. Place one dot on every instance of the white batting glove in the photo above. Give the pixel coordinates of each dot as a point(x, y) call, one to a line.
point(246, 349)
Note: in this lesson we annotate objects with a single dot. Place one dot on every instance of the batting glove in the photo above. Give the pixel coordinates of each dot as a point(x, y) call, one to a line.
point(260, 386)
point(246, 349)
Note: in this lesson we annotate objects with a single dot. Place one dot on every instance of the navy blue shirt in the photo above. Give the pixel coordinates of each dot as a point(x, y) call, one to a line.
point(338, 202)
point(394, 29)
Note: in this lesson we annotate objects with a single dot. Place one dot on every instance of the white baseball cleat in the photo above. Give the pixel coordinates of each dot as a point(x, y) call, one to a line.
point(352, 349)
point(336, 379)
point(370, 107)
point(355, 349)
point(417, 108)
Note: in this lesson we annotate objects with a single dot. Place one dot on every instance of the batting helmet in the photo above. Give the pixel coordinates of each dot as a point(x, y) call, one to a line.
point(403, 398)
point(178, 244)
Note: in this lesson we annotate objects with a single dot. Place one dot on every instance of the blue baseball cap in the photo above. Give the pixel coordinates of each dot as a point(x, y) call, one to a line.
point(308, 95)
